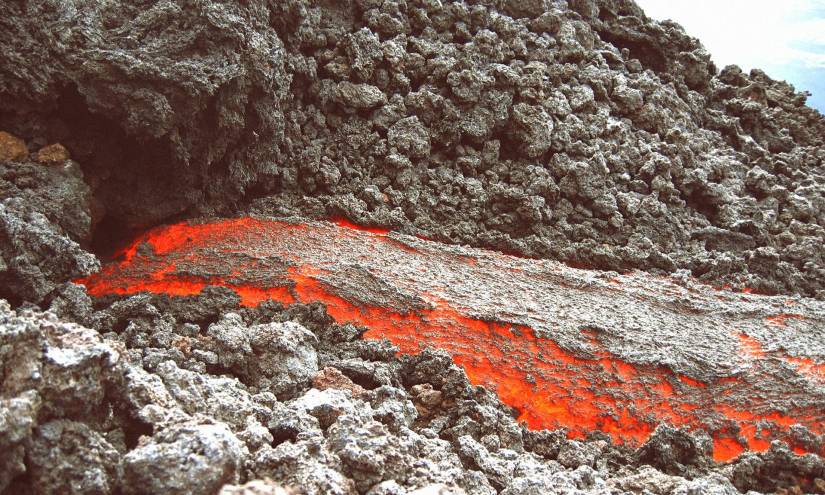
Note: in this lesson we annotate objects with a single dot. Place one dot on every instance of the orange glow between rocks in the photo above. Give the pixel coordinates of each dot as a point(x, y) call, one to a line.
point(782, 320)
point(548, 386)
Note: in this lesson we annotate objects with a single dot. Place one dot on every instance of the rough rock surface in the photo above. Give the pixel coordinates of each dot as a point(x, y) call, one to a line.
point(285, 357)
point(119, 412)
point(578, 130)
point(36, 255)
point(46, 218)
point(184, 459)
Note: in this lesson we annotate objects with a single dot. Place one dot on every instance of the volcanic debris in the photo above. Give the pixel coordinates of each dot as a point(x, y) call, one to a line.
point(577, 130)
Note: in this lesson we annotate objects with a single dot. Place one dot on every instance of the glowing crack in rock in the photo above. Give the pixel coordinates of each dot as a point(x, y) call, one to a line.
point(567, 348)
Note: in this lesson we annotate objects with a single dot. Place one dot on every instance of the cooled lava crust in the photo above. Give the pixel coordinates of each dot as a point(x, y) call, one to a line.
point(566, 348)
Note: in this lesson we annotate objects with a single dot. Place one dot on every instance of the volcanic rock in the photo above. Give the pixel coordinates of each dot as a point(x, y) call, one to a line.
point(37, 256)
point(12, 148)
point(333, 378)
point(454, 121)
point(45, 220)
point(279, 357)
point(186, 459)
point(520, 327)
point(18, 417)
point(60, 371)
point(69, 457)
point(257, 487)
point(579, 131)
point(171, 107)
point(52, 154)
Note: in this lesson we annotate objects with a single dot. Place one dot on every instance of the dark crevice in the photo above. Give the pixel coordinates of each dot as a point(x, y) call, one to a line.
point(111, 237)
point(705, 206)
point(133, 430)
point(646, 52)
point(283, 434)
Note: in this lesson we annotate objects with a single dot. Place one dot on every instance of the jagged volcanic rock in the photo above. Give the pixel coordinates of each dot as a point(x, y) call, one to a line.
point(575, 349)
point(578, 130)
point(45, 221)
point(575, 130)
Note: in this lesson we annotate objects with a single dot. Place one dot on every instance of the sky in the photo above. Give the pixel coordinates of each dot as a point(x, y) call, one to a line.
point(785, 38)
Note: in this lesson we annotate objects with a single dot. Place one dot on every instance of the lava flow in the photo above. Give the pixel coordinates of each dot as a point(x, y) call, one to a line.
point(567, 348)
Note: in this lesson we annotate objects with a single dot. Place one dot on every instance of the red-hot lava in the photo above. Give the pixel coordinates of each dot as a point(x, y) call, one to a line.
point(420, 294)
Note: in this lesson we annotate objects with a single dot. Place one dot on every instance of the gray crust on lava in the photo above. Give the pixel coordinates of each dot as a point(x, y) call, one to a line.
point(576, 130)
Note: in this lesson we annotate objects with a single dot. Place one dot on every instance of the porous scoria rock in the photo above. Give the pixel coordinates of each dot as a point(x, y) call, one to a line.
point(257, 487)
point(195, 459)
point(177, 427)
point(45, 220)
point(357, 441)
point(673, 451)
point(52, 154)
point(68, 365)
point(59, 192)
point(70, 457)
point(330, 377)
point(36, 256)
point(18, 416)
point(54, 377)
point(206, 80)
point(278, 357)
point(581, 130)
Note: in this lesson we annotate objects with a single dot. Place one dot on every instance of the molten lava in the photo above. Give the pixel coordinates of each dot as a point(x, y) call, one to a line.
point(565, 347)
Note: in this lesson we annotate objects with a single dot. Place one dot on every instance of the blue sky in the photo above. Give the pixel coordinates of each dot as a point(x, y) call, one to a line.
point(785, 38)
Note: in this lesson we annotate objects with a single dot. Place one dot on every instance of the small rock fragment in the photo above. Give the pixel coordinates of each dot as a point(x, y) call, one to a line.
point(360, 96)
point(426, 399)
point(12, 148)
point(330, 377)
point(53, 154)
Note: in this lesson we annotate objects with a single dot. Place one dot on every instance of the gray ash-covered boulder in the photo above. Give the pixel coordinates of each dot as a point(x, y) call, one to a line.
point(55, 188)
point(47, 214)
point(35, 255)
point(278, 357)
point(70, 457)
point(53, 388)
point(193, 459)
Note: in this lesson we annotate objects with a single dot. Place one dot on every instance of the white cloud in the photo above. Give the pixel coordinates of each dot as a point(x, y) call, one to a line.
point(751, 33)
point(785, 38)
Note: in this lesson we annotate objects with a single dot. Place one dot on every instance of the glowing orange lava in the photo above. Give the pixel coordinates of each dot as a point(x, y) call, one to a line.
point(550, 386)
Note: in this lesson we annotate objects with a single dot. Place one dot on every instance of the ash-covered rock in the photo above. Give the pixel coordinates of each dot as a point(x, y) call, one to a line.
point(279, 357)
point(170, 92)
point(46, 219)
point(197, 458)
point(36, 256)
point(53, 389)
point(70, 457)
